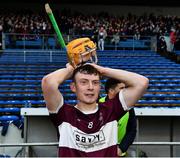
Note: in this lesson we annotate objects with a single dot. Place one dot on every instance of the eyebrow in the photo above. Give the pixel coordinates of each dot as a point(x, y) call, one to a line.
point(88, 79)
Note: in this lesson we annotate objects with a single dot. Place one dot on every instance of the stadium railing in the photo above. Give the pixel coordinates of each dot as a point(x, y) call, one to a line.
point(44, 41)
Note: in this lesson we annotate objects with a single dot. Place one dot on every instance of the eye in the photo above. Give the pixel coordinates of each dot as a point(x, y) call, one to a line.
point(96, 83)
point(121, 88)
point(83, 82)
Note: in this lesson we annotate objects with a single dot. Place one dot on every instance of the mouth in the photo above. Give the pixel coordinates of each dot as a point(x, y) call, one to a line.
point(89, 95)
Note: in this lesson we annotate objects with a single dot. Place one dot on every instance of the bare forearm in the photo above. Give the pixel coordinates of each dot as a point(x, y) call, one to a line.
point(59, 76)
point(136, 84)
point(129, 78)
point(50, 84)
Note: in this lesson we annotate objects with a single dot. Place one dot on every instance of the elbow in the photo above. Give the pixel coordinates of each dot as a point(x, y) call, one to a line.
point(144, 83)
point(46, 82)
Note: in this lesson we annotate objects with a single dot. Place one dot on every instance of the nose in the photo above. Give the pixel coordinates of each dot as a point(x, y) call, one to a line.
point(90, 85)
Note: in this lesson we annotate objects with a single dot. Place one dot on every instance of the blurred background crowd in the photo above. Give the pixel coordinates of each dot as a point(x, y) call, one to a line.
point(77, 23)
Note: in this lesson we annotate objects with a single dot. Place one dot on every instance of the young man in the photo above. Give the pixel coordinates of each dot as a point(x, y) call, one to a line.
point(127, 124)
point(89, 129)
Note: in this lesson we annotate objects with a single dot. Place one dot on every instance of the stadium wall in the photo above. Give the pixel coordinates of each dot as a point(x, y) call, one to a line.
point(150, 129)
point(91, 9)
point(124, 10)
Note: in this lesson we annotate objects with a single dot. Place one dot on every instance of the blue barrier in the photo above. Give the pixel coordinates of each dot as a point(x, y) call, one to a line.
point(9, 118)
point(10, 110)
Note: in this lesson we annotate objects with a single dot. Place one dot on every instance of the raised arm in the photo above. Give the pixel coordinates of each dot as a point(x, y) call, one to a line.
point(50, 84)
point(136, 84)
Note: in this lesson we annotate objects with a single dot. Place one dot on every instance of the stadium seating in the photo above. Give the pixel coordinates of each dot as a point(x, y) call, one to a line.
point(20, 81)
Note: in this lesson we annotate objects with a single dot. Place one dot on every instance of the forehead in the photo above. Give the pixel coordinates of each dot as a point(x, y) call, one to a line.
point(79, 76)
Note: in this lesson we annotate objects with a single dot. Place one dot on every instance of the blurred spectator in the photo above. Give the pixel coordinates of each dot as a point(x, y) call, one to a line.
point(1, 30)
point(137, 35)
point(115, 40)
point(162, 44)
point(94, 37)
point(101, 38)
point(172, 39)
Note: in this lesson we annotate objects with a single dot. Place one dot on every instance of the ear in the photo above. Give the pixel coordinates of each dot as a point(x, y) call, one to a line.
point(112, 92)
point(73, 87)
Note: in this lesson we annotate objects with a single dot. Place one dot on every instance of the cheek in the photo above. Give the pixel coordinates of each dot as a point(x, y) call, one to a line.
point(115, 92)
point(98, 88)
point(80, 89)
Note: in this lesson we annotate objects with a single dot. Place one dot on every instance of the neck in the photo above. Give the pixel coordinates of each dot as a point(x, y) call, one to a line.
point(110, 96)
point(86, 107)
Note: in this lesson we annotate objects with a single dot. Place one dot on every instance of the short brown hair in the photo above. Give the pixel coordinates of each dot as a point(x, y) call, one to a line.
point(111, 83)
point(86, 69)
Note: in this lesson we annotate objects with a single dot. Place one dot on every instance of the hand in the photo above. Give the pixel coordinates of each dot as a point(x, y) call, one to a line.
point(69, 67)
point(119, 152)
point(101, 69)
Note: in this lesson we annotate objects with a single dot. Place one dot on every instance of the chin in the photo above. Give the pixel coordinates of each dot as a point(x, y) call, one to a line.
point(90, 101)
